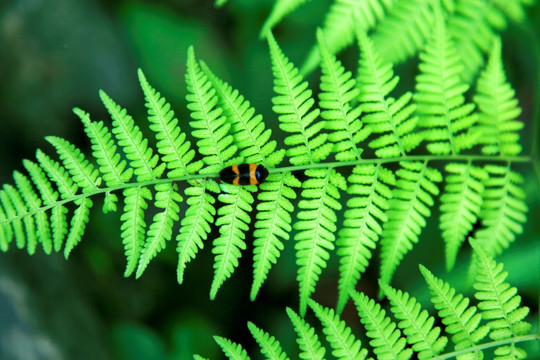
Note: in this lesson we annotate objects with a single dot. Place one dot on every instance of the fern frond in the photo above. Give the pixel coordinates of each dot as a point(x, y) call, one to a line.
point(460, 206)
point(280, 9)
point(33, 204)
point(195, 225)
point(498, 108)
point(78, 224)
point(57, 173)
point(440, 96)
point(81, 171)
point(160, 231)
point(49, 196)
point(233, 221)
point(249, 132)
point(133, 225)
point(198, 357)
point(461, 320)
point(308, 341)
point(504, 209)
point(273, 222)
point(270, 347)
point(387, 342)
point(112, 168)
point(172, 144)
point(307, 145)
point(209, 124)
point(416, 323)
point(410, 206)
point(338, 334)
point(340, 22)
point(338, 89)
point(14, 205)
point(316, 227)
point(130, 138)
point(232, 350)
point(499, 303)
point(404, 30)
point(384, 115)
point(366, 210)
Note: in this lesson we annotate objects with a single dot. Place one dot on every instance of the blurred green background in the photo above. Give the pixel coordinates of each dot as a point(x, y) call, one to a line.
point(57, 54)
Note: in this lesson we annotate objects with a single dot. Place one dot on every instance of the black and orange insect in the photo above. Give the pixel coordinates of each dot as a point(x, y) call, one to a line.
point(244, 174)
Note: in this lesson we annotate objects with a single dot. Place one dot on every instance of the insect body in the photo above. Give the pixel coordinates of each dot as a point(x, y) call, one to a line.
point(244, 174)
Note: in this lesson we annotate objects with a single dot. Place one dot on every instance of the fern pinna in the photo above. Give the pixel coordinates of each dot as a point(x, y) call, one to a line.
point(407, 331)
point(365, 151)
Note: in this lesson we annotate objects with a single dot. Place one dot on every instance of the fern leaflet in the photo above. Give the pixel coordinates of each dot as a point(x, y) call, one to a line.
point(270, 347)
point(293, 102)
point(316, 226)
point(366, 210)
point(337, 91)
point(308, 341)
point(460, 320)
point(386, 340)
point(338, 334)
point(232, 350)
point(416, 323)
point(499, 303)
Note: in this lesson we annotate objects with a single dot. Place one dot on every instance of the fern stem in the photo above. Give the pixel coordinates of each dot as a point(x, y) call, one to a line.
point(429, 158)
point(488, 345)
point(335, 164)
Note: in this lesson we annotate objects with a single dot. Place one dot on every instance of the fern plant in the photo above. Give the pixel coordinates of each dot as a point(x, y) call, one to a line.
point(413, 334)
point(393, 147)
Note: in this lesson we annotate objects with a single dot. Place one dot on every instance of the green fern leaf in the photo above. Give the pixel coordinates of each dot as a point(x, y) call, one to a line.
point(11, 228)
point(232, 350)
point(316, 227)
point(233, 221)
point(273, 222)
point(460, 320)
point(133, 224)
point(81, 171)
point(387, 342)
point(440, 95)
point(460, 206)
point(33, 204)
point(409, 208)
point(340, 337)
point(384, 114)
point(361, 229)
point(280, 9)
point(160, 231)
point(172, 144)
point(78, 224)
point(58, 175)
point(208, 123)
point(249, 131)
point(308, 341)
point(337, 91)
point(135, 146)
point(15, 207)
point(416, 323)
point(498, 108)
point(340, 22)
point(195, 226)
point(113, 170)
point(499, 303)
point(198, 357)
point(293, 102)
point(270, 347)
point(49, 196)
point(404, 30)
point(504, 209)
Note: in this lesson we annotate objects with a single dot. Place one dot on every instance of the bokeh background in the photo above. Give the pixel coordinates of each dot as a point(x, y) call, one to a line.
point(57, 54)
